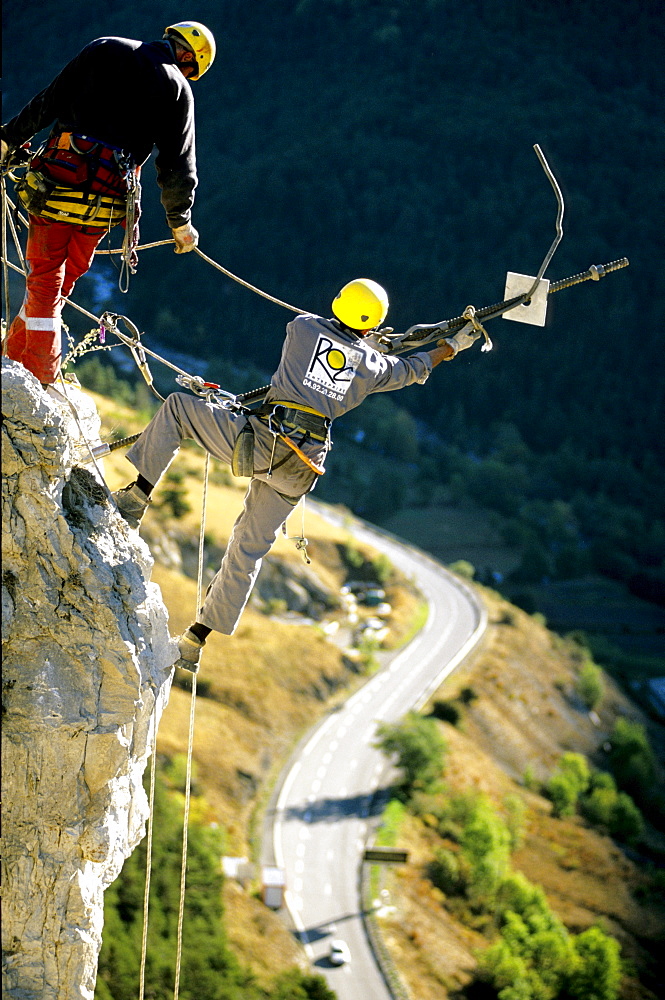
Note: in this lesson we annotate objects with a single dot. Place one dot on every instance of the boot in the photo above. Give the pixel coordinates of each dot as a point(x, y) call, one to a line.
point(132, 504)
point(190, 647)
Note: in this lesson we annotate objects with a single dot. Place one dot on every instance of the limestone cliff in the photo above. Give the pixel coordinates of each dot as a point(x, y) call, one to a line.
point(86, 674)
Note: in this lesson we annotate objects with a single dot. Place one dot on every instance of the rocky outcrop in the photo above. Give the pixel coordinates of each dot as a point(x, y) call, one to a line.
point(297, 587)
point(86, 675)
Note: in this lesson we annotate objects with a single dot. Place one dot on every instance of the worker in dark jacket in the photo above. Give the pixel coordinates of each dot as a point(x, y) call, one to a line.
point(328, 367)
point(115, 101)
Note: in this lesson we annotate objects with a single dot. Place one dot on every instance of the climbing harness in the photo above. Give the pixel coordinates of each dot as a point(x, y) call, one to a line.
point(282, 419)
point(78, 179)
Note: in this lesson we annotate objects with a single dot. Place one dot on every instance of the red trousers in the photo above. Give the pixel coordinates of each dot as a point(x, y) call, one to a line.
point(57, 254)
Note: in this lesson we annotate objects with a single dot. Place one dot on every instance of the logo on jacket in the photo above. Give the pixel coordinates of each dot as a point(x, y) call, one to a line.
point(333, 365)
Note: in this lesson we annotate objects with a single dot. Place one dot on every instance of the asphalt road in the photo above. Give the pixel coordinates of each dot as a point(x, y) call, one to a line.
point(331, 794)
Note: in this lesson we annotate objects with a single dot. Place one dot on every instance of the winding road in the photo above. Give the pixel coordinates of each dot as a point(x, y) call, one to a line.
point(331, 791)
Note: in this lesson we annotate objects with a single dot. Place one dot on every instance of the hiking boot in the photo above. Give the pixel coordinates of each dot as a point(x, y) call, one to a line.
point(190, 648)
point(132, 504)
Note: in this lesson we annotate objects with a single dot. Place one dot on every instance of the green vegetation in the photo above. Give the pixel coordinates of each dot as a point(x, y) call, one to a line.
point(209, 968)
point(565, 786)
point(606, 807)
point(419, 749)
point(533, 956)
point(573, 787)
point(374, 570)
point(536, 958)
point(632, 759)
point(173, 495)
point(589, 685)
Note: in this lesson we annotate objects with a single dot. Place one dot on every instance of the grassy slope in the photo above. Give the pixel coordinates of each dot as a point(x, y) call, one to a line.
point(269, 682)
point(524, 715)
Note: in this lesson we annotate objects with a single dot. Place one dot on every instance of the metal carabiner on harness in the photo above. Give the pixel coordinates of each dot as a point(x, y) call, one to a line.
point(209, 391)
point(133, 342)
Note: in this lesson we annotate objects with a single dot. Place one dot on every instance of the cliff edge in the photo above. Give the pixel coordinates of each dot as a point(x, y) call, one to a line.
point(86, 674)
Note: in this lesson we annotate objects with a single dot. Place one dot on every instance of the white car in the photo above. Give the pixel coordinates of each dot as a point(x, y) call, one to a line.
point(339, 952)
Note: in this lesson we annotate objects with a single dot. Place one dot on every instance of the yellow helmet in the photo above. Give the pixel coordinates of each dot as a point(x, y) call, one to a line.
point(361, 305)
point(199, 40)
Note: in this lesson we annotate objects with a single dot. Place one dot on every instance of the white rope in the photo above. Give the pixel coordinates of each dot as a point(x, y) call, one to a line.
point(5, 269)
point(93, 458)
point(190, 745)
point(246, 284)
point(148, 864)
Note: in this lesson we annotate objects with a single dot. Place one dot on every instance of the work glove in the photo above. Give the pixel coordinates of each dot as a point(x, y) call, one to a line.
point(186, 238)
point(460, 341)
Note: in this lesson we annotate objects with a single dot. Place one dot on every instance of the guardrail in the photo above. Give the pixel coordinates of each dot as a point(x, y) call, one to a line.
point(394, 982)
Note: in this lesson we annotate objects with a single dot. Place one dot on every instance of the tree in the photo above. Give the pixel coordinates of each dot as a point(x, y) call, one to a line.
point(419, 747)
point(597, 973)
point(294, 985)
point(589, 685)
point(567, 783)
point(631, 757)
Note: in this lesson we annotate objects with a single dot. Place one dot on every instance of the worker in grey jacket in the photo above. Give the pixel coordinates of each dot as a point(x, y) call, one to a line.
point(328, 366)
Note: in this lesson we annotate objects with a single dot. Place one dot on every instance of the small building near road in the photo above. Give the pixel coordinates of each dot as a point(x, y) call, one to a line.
point(274, 884)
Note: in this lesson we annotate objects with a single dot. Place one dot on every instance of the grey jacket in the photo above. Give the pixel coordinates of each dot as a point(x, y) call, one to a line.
point(332, 370)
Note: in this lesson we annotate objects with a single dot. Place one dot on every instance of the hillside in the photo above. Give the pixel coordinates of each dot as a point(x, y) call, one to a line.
point(522, 716)
point(261, 689)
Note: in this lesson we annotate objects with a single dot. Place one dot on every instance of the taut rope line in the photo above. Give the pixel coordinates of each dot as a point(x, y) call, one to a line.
point(190, 743)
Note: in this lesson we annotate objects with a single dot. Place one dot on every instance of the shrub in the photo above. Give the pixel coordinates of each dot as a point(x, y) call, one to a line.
point(589, 685)
point(444, 871)
point(419, 747)
point(536, 958)
point(447, 711)
point(515, 809)
point(485, 843)
point(597, 973)
point(567, 783)
point(463, 568)
point(631, 757)
point(626, 821)
point(467, 695)
point(173, 497)
point(517, 895)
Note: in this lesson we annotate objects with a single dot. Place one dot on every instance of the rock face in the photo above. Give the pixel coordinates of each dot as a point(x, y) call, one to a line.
point(86, 675)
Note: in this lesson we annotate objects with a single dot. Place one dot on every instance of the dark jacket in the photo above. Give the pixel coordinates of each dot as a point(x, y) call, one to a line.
point(128, 94)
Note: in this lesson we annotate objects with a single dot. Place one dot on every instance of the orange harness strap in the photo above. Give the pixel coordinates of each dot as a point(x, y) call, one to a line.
point(318, 469)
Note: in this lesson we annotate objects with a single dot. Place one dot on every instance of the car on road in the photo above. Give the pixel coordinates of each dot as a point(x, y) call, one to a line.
point(339, 952)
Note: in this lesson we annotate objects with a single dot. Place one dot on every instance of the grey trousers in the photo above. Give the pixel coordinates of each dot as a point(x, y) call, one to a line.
point(265, 509)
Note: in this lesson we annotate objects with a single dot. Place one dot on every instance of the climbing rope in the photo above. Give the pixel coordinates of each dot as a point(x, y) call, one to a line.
point(148, 867)
point(5, 270)
point(190, 742)
point(246, 284)
point(91, 450)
